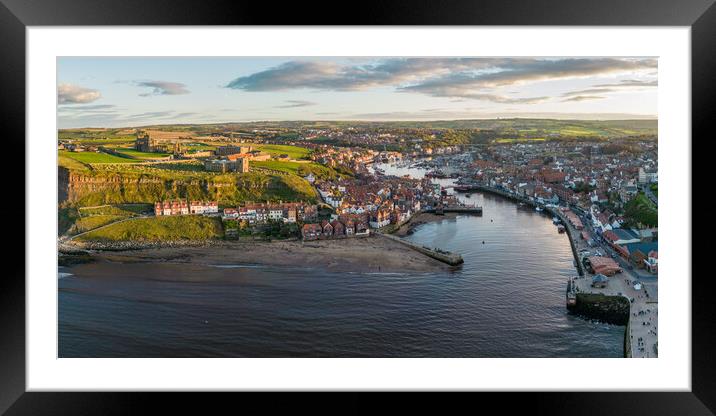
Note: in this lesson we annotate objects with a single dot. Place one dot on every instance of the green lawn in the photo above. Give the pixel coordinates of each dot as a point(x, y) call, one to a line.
point(92, 157)
point(136, 154)
point(185, 227)
point(199, 146)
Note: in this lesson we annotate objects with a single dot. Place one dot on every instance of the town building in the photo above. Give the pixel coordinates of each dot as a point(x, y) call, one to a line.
point(183, 207)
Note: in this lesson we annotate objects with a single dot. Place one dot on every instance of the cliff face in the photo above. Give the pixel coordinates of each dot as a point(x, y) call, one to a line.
point(63, 175)
point(90, 188)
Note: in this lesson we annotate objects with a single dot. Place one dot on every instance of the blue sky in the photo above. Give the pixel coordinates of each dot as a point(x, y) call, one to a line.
point(127, 91)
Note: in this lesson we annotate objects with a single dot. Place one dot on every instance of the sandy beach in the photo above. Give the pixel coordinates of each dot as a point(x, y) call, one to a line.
point(368, 254)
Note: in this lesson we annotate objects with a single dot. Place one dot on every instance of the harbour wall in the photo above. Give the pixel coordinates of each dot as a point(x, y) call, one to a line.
point(609, 309)
point(452, 259)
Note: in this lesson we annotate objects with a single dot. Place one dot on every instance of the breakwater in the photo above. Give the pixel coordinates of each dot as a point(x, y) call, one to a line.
point(452, 259)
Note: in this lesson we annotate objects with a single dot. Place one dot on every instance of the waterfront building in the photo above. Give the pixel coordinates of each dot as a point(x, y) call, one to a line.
point(603, 265)
point(311, 231)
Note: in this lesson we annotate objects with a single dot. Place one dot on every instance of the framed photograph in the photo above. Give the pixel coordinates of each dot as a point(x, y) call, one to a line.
point(451, 199)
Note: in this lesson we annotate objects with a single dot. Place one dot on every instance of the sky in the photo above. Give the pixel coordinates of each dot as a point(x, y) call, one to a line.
point(137, 91)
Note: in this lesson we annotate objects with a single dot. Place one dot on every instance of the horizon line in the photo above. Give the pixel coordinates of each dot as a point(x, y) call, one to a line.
point(635, 117)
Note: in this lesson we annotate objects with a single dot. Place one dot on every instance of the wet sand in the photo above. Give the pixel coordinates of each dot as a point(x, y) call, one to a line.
point(368, 254)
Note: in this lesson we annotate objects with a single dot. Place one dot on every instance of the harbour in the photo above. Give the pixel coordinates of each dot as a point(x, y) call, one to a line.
point(489, 306)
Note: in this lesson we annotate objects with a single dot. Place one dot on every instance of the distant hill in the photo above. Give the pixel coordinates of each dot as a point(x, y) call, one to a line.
point(512, 127)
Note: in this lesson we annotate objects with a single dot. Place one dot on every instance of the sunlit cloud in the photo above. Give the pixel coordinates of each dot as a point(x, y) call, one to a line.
point(584, 98)
point(456, 78)
point(74, 94)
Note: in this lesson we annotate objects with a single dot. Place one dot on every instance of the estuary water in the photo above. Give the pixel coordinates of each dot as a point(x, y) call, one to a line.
point(507, 300)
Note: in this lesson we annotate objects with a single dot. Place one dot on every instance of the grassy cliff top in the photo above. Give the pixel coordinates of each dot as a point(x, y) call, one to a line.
point(186, 227)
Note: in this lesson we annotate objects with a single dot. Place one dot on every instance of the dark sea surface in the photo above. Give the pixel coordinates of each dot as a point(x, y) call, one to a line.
point(507, 300)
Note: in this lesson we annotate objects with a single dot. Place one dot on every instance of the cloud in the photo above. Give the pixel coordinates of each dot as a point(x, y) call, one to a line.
point(150, 114)
point(466, 115)
point(623, 85)
point(74, 94)
point(455, 78)
point(583, 98)
point(502, 99)
point(296, 103)
point(626, 83)
point(162, 88)
point(589, 91)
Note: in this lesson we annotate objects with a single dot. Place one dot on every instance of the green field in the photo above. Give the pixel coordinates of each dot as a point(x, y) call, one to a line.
point(186, 227)
point(92, 157)
point(297, 168)
point(70, 163)
point(293, 152)
point(125, 210)
point(136, 154)
point(199, 146)
point(78, 220)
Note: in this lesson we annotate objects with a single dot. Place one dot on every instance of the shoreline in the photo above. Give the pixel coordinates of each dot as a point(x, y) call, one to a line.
point(370, 254)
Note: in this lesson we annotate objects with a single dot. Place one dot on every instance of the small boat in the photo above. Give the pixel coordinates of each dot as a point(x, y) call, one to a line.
point(556, 220)
point(468, 195)
point(538, 209)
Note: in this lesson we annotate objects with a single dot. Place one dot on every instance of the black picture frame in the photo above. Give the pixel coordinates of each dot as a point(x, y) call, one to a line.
point(16, 15)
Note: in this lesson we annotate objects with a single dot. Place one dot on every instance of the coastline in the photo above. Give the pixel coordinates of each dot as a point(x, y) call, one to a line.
point(370, 254)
